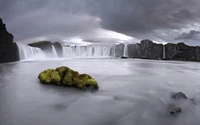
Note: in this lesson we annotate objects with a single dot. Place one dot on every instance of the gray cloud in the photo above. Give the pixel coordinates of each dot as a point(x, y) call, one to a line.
point(155, 19)
point(131, 16)
point(191, 35)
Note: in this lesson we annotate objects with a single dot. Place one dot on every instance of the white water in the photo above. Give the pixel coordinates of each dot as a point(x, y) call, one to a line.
point(30, 53)
point(125, 50)
point(87, 51)
point(98, 51)
point(54, 53)
point(163, 51)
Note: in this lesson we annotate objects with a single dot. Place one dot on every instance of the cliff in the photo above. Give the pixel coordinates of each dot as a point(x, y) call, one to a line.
point(8, 49)
point(149, 50)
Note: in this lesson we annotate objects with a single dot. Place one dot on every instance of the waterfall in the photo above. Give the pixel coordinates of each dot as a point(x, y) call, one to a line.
point(87, 51)
point(164, 52)
point(54, 53)
point(125, 50)
point(26, 52)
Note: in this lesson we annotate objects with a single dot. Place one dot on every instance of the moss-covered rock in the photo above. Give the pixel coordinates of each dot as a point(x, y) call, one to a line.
point(50, 76)
point(88, 81)
point(67, 77)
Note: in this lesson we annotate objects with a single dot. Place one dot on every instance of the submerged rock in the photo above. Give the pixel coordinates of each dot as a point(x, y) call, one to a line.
point(174, 109)
point(67, 77)
point(179, 95)
point(123, 57)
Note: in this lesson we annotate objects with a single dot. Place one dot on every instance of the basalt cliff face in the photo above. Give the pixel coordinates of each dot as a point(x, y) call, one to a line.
point(149, 50)
point(8, 49)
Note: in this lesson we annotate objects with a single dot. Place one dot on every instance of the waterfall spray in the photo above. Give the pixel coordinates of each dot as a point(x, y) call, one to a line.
point(125, 50)
point(54, 53)
point(87, 51)
point(26, 52)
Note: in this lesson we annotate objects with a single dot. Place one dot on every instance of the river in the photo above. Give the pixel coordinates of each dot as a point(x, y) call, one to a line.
point(131, 92)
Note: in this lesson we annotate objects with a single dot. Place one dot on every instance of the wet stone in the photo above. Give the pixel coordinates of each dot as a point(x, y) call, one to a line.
point(174, 109)
point(179, 95)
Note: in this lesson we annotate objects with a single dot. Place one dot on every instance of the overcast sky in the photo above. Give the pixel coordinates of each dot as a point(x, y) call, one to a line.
point(158, 20)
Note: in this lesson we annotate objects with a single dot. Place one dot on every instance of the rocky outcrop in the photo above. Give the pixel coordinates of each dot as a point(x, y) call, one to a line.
point(64, 76)
point(179, 95)
point(181, 51)
point(8, 49)
point(173, 109)
point(149, 50)
point(145, 50)
point(118, 50)
point(46, 46)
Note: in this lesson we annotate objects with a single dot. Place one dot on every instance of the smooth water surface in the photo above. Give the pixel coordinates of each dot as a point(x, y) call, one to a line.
point(132, 92)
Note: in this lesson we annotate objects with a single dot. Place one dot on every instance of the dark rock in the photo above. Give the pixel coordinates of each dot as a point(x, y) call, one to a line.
point(134, 50)
point(149, 50)
point(179, 95)
point(170, 50)
point(118, 50)
point(46, 46)
point(181, 51)
point(43, 45)
point(146, 50)
point(182, 56)
point(8, 49)
point(123, 57)
point(173, 110)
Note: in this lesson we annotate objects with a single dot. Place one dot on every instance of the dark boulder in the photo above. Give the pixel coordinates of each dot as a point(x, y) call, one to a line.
point(8, 49)
point(123, 57)
point(179, 95)
point(173, 110)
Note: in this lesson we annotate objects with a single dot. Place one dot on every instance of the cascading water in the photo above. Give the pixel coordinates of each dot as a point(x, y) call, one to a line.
point(26, 52)
point(125, 50)
point(87, 51)
point(33, 53)
point(54, 53)
point(163, 51)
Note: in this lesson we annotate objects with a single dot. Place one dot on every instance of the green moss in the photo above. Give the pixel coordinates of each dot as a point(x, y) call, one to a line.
point(88, 81)
point(80, 84)
point(67, 77)
point(62, 70)
point(85, 76)
point(50, 76)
